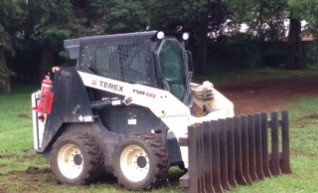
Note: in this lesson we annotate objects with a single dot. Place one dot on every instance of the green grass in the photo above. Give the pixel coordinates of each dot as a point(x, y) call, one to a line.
point(304, 153)
point(21, 170)
point(262, 73)
point(16, 131)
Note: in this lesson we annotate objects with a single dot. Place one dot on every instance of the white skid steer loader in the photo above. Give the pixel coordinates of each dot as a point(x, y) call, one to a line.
point(122, 109)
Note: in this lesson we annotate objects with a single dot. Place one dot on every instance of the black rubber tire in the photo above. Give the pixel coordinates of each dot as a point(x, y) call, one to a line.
point(157, 156)
point(90, 156)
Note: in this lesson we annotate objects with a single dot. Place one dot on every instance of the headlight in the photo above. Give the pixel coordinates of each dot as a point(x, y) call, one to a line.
point(185, 36)
point(160, 35)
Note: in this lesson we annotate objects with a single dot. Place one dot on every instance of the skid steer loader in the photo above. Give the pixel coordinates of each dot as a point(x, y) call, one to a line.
point(123, 109)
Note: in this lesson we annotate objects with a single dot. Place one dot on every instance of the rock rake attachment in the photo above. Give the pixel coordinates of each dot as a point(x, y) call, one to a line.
point(238, 150)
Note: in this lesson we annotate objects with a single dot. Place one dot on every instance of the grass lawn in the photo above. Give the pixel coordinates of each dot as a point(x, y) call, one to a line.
point(21, 170)
point(258, 74)
point(304, 153)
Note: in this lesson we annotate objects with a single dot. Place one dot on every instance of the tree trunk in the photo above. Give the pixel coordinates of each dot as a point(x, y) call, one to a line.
point(295, 58)
point(5, 86)
point(202, 49)
point(47, 62)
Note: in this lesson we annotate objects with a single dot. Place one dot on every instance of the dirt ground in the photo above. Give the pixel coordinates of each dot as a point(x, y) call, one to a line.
point(260, 96)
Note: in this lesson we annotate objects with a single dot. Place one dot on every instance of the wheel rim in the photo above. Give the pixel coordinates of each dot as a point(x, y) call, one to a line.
point(134, 163)
point(70, 161)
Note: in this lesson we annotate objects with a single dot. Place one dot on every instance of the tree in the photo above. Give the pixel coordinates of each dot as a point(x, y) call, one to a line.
point(197, 17)
point(41, 26)
point(295, 59)
point(47, 23)
point(9, 21)
point(305, 10)
point(211, 17)
point(58, 22)
point(125, 16)
point(265, 18)
point(267, 22)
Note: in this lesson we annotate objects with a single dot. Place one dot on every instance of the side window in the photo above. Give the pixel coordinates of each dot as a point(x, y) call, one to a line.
point(127, 61)
point(133, 64)
point(86, 55)
point(107, 62)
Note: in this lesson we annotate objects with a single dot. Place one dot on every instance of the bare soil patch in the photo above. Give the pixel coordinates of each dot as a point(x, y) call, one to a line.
point(261, 96)
point(312, 116)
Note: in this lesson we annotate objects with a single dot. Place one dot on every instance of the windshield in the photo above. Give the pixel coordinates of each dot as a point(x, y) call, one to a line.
point(172, 66)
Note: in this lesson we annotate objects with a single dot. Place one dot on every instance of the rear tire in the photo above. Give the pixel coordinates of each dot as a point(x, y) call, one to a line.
point(76, 159)
point(141, 162)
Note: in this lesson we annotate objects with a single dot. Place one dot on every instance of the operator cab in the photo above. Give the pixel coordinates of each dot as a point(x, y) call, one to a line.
point(155, 59)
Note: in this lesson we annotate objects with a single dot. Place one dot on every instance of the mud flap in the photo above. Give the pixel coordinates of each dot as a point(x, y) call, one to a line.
point(236, 151)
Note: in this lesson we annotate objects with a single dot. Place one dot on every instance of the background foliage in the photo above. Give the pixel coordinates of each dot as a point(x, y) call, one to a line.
point(32, 32)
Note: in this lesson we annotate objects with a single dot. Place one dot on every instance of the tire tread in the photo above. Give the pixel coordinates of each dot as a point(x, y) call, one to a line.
point(158, 149)
point(94, 157)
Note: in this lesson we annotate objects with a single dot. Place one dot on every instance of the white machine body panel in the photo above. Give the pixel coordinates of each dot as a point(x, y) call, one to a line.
point(38, 124)
point(162, 103)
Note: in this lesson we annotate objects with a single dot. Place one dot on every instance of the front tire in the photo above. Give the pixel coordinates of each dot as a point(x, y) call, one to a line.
point(76, 159)
point(141, 162)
